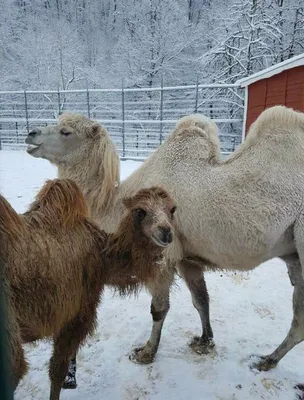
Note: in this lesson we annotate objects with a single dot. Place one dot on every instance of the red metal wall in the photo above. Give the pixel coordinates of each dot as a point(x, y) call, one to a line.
point(286, 88)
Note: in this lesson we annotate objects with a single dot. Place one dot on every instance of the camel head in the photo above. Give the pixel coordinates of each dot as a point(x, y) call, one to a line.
point(152, 212)
point(84, 152)
point(68, 142)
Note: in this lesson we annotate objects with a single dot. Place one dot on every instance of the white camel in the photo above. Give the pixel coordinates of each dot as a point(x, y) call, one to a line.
point(232, 214)
point(83, 151)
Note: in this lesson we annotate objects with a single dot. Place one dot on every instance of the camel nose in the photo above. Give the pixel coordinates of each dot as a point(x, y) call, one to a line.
point(166, 234)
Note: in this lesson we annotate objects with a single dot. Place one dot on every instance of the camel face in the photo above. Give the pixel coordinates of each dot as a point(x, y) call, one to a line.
point(153, 210)
point(54, 142)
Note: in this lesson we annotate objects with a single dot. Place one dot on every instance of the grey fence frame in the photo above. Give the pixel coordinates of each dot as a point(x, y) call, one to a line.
point(123, 121)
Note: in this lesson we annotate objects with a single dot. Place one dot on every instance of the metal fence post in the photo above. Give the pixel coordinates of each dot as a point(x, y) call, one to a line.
point(59, 106)
point(196, 95)
point(233, 143)
point(123, 119)
point(211, 110)
point(26, 111)
point(17, 134)
point(88, 102)
point(161, 110)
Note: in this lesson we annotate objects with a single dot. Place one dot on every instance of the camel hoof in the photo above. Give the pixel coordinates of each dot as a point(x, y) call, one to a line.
point(140, 356)
point(265, 364)
point(69, 385)
point(300, 391)
point(201, 345)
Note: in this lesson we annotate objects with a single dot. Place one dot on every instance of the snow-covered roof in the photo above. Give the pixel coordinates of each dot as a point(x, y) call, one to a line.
point(273, 70)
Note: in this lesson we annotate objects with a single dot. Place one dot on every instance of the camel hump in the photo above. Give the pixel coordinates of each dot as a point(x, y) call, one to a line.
point(10, 221)
point(205, 130)
point(278, 120)
point(198, 120)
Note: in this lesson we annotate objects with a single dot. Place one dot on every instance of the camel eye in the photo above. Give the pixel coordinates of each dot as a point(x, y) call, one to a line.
point(140, 213)
point(65, 132)
point(173, 209)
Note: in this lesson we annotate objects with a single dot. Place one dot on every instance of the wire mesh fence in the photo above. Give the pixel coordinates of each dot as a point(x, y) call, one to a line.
point(138, 119)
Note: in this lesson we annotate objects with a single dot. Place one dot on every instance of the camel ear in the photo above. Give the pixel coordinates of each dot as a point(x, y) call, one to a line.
point(94, 129)
point(127, 202)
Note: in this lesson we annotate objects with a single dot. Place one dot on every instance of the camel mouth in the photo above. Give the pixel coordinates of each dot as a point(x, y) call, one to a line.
point(159, 242)
point(32, 148)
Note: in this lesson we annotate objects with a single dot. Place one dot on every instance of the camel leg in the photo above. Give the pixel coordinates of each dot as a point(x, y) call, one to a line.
point(160, 291)
point(300, 389)
point(70, 379)
point(19, 364)
point(192, 272)
point(296, 332)
point(299, 240)
point(66, 345)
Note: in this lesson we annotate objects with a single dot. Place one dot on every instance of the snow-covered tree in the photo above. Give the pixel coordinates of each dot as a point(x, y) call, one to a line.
point(254, 34)
point(75, 43)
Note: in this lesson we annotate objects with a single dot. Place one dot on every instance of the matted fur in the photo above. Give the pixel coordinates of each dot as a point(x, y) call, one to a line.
point(15, 365)
point(61, 199)
point(55, 254)
point(10, 223)
point(49, 248)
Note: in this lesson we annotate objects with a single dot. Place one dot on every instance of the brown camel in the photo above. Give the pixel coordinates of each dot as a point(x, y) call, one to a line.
point(56, 254)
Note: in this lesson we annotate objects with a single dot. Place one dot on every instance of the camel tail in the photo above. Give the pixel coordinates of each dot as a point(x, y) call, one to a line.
point(10, 222)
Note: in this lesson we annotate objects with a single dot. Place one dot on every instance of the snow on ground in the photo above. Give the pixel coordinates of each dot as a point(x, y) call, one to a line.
point(250, 314)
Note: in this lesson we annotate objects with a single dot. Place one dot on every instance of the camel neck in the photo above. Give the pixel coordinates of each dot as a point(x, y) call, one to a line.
point(132, 258)
point(90, 179)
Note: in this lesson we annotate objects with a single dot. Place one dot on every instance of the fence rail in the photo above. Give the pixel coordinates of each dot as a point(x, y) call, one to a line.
point(138, 119)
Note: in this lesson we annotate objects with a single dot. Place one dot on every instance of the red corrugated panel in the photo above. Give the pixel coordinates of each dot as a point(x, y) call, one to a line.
point(286, 88)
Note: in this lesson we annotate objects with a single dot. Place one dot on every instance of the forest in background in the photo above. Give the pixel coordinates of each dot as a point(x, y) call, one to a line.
point(70, 44)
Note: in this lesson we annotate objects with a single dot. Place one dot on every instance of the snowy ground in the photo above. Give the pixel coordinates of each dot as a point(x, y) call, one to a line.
point(250, 314)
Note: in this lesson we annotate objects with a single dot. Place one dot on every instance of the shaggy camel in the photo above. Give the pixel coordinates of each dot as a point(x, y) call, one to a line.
point(232, 214)
point(84, 152)
point(54, 246)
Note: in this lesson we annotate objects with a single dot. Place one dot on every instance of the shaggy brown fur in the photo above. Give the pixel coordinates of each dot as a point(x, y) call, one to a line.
point(57, 256)
point(11, 336)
